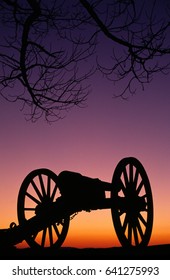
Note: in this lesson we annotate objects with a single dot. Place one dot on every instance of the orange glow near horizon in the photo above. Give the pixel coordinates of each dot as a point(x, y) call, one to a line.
point(84, 233)
point(96, 229)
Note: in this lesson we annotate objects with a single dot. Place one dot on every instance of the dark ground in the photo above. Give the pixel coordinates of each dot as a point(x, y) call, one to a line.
point(157, 252)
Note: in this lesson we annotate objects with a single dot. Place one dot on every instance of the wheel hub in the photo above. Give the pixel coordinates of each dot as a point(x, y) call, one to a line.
point(44, 208)
point(134, 203)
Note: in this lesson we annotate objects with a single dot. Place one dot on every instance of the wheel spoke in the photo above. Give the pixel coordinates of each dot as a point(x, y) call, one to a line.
point(29, 209)
point(130, 233)
point(142, 219)
point(54, 192)
point(136, 178)
point(56, 230)
point(42, 185)
point(125, 177)
point(34, 235)
point(50, 235)
point(121, 211)
point(139, 228)
point(32, 198)
point(48, 187)
point(145, 203)
point(125, 223)
point(131, 173)
point(43, 237)
point(139, 187)
point(36, 189)
point(135, 236)
point(122, 187)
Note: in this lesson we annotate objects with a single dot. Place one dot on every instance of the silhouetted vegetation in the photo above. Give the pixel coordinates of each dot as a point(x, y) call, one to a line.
point(49, 49)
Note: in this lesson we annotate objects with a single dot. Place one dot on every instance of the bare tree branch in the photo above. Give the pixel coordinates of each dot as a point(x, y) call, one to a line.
point(49, 49)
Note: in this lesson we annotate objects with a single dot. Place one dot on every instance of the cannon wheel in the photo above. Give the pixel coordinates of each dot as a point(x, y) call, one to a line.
point(39, 188)
point(132, 210)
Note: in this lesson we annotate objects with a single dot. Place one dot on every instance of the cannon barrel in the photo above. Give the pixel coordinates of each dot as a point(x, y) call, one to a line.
point(74, 184)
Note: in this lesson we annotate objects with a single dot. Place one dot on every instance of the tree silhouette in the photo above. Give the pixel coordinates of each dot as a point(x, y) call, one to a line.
point(49, 49)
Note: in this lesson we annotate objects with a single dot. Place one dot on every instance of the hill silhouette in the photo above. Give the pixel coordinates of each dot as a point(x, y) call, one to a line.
point(154, 252)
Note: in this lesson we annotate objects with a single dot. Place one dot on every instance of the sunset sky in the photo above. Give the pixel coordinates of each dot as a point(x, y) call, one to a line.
point(91, 141)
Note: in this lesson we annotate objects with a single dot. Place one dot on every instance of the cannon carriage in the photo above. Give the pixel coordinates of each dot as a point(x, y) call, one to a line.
point(47, 203)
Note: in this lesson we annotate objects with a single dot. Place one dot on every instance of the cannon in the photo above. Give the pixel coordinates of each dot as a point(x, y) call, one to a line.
point(47, 203)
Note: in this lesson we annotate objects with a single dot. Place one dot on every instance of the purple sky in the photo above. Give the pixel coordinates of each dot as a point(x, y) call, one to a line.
point(92, 141)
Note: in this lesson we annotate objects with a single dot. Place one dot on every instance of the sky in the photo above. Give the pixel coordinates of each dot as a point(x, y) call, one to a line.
point(91, 141)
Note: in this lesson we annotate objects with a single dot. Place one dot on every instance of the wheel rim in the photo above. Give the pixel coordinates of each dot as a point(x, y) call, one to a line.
point(38, 189)
point(132, 210)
